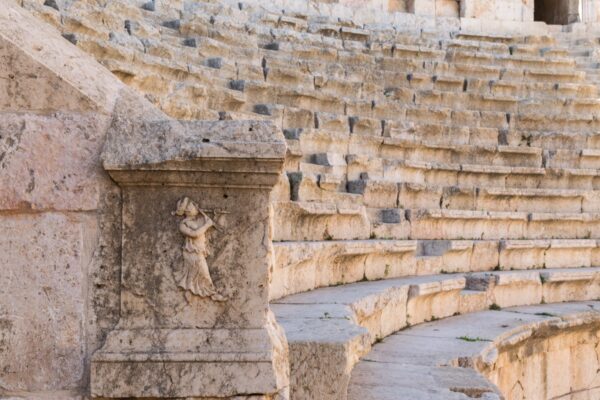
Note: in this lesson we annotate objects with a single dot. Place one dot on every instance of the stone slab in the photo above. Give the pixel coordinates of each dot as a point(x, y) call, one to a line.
point(51, 162)
point(35, 76)
point(43, 292)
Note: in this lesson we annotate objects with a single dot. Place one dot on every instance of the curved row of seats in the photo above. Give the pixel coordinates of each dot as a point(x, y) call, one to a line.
point(308, 265)
point(427, 175)
point(329, 329)
point(461, 358)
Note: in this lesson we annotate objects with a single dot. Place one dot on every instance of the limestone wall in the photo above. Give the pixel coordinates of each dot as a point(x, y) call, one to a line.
point(61, 230)
point(58, 211)
point(523, 13)
point(554, 365)
point(537, 352)
point(374, 11)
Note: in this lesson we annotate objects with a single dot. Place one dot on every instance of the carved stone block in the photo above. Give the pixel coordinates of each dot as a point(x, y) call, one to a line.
point(195, 318)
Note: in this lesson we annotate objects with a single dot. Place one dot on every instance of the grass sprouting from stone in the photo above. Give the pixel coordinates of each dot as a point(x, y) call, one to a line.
point(473, 339)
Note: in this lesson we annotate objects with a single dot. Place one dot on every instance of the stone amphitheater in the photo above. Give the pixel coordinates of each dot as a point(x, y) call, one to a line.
point(300, 199)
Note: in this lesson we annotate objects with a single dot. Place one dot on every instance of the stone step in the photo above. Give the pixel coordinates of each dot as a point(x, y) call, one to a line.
point(330, 183)
point(419, 52)
point(487, 37)
point(508, 60)
point(546, 51)
point(405, 49)
point(285, 75)
point(525, 90)
point(584, 123)
point(304, 266)
point(329, 329)
point(316, 100)
point(492, 72)
point(299, 51)
point(566, 158)
point(319, 221)
point(515, 49)
point(485, 199)
point(447, 127)
point(475, 45)
point(320, 56)
point(572, 123)
point(439, 125)
point(428, 143)
point(450, 358)
point(434, 67)
point(333, 138)
point(544, 253)
point(524, 122)
point(435, 224)
point(532, 129)
point(554, 140)
point(452, 82)
point(530, 123)
point(320, 187)
point(483, 95)
point(305, 143)
point(471, 175)
point(519, 154)
point(459, 175)
point(299, 221)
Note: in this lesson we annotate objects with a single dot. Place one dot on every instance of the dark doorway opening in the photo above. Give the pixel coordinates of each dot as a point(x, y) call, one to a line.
point(556, 12)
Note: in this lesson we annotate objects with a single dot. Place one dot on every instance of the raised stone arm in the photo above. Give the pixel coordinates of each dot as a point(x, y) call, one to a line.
point(195, 232)
point(209, 222)
point(189, 231)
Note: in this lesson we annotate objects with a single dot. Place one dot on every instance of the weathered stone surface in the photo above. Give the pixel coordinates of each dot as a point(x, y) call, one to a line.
point(450, 358)
point(45, 259)
point(417, 147)
point(386, 306)
point(170, 140)
point(189, 329)
point(33, 74)
point(51, 162)
point(59, 210)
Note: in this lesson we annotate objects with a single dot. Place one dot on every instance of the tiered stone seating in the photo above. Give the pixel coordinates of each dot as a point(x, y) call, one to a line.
point(330, 329)
point(584, 49)
point(440, 360)
point(426, 175)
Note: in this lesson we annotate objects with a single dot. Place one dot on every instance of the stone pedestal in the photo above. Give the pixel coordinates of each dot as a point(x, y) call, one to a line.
point(195, 319)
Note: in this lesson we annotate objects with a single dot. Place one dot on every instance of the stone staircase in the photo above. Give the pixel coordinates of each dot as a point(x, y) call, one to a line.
point(427, 175)
point(585, 49)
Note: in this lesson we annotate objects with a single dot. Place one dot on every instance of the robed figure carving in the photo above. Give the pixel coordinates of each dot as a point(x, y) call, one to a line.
point(195, 276)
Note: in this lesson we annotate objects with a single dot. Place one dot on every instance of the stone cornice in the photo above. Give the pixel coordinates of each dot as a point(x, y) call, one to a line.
point(199, 153)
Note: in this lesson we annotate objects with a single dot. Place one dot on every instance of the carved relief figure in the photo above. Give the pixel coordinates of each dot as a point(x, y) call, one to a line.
point(195, 277)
